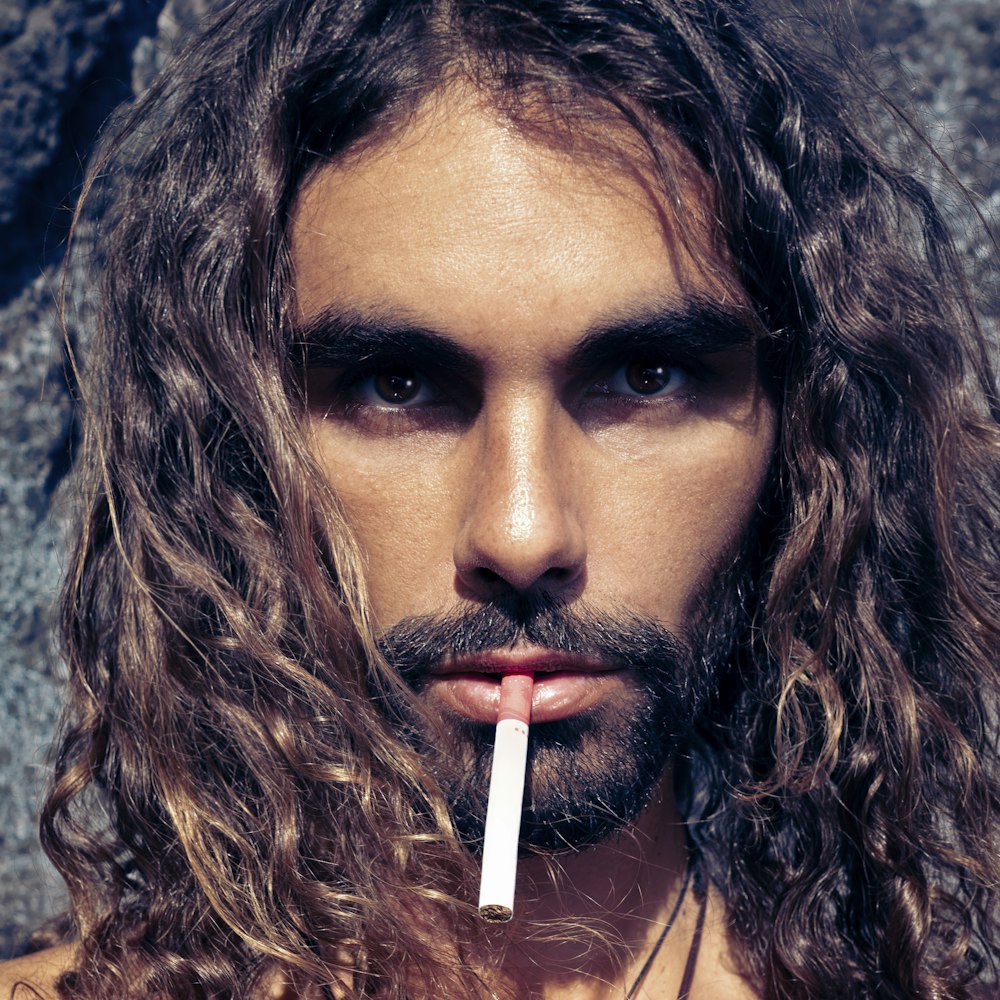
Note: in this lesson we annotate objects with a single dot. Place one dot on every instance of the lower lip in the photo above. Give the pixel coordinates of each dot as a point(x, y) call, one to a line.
point(556, 696)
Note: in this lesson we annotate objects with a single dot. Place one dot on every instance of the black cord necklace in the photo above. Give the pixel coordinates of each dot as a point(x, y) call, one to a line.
point(693, 870)
point(693, 874)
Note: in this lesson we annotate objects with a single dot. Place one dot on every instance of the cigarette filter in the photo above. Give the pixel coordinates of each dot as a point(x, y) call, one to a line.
point(503, 809)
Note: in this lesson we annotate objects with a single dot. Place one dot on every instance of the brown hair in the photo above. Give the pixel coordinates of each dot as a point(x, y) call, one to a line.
point(228, 793)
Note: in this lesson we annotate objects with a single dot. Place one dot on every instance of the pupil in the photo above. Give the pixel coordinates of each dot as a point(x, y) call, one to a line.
point(397, 386)
point(645, 378)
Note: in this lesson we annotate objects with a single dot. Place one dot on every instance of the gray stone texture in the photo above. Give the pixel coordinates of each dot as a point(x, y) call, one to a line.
point(64, 66)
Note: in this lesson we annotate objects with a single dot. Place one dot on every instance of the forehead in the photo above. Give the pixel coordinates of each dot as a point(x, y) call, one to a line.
point(463, 221)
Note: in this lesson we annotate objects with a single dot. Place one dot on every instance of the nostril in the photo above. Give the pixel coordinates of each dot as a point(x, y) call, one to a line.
point(490, 582)
point(559, 574)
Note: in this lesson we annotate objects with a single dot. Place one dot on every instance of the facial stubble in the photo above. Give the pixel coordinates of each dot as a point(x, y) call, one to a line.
point(589, 776)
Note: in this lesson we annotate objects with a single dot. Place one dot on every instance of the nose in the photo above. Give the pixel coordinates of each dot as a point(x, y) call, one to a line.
point(521, 527)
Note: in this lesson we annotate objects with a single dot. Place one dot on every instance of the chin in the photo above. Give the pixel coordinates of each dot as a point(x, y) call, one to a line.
point(589, 777)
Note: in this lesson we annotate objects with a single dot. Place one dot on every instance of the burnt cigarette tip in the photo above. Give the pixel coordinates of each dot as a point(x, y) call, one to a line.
point(495, 914)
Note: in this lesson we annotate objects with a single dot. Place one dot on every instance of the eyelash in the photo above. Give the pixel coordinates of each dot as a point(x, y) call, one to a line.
point(342, 394)
point(644, 367)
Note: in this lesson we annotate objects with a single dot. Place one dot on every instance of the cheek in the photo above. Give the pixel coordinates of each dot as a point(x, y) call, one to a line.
point(657, 526)
point(668, 524)
point(397, 502)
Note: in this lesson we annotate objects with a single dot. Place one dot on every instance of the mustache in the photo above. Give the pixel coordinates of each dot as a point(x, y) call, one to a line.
point(415, 645)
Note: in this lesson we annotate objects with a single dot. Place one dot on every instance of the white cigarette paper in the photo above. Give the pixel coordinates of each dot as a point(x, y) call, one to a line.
point(503, 809)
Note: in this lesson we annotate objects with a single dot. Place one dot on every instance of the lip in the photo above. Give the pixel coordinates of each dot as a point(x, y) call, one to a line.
point(566, 684)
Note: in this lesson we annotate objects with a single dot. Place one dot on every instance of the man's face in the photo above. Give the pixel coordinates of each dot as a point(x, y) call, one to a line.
point(535, 398)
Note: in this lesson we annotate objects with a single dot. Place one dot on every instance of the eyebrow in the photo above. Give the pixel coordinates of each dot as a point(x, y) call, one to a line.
point(338, 338)
point(697, 327)
point(335, 338)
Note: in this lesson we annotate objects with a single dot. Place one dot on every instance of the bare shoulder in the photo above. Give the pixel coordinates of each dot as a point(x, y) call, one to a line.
point(33, 977)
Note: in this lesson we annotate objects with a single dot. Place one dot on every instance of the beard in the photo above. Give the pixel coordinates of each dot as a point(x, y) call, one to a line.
point(589, 776)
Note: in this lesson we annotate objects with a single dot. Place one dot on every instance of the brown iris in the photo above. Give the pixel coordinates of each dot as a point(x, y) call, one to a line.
point(400, 385)
point(646, 378)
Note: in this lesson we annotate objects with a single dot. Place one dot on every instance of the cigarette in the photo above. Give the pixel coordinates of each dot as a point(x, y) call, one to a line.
point(503, 809)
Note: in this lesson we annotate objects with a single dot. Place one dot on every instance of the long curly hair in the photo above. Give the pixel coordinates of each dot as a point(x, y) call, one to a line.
point(229, 797)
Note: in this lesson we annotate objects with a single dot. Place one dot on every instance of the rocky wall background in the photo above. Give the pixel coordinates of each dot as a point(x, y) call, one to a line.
point(64, 66)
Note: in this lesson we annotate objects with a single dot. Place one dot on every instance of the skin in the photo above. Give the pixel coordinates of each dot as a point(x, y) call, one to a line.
point(528, 474)
point(514, 251)
point(35, 975)
point(525, 474)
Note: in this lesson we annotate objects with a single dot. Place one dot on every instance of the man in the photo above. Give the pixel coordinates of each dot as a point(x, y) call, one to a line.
point(587, 339)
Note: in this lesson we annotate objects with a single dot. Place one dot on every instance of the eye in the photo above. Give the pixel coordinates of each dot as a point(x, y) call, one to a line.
point(400, 387)
point(646, 377)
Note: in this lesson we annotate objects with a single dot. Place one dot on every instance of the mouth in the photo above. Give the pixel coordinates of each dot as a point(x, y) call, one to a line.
point(566, 684)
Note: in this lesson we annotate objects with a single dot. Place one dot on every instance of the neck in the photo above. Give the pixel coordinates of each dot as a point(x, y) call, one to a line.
point(587, 922)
